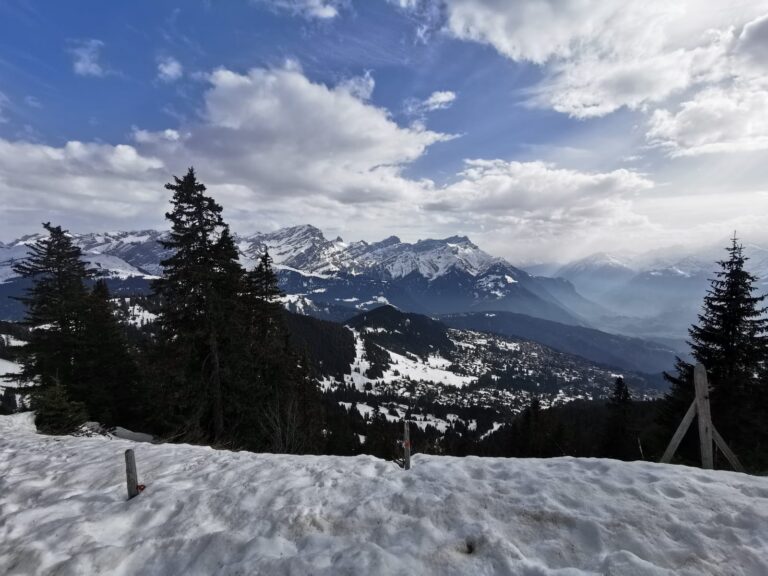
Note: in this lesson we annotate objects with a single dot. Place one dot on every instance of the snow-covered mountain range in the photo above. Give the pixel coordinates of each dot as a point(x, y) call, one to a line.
point(336, 279)
point(306, 249)
point(301, 248)
point(654, 295)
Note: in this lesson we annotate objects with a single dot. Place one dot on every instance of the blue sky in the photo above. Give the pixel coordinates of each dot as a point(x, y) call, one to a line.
point(543, 129)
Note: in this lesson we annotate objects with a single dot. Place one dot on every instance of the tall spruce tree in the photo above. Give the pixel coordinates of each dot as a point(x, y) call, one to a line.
point(199, 315)
point(730, 341)
point(289, 404)
point(55, 313)
point(55, 308)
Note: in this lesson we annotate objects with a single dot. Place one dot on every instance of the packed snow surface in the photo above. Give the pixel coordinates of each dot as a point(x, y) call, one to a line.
point(63, 511)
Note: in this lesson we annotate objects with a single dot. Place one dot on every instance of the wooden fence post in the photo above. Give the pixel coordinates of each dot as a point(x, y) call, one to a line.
point(704, 415)
point(132, 478)
point(707, 431)
point(406, 447)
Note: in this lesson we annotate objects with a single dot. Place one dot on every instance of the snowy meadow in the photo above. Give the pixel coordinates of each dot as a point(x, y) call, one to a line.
point(64, 511)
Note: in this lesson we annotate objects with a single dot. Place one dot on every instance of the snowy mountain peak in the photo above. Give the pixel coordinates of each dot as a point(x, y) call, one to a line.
point(429, 258)
point(599, 260)
point(303, 248)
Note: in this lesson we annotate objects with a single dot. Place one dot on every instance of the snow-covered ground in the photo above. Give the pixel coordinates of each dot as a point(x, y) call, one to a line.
point(63, 510)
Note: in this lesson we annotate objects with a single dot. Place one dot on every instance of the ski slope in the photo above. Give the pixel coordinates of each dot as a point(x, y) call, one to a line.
point(63, 511)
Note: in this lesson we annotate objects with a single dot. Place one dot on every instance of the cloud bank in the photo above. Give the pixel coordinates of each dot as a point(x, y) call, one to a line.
point(276, 148)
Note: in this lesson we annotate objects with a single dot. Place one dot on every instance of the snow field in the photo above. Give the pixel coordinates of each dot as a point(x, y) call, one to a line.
point(63, 511)
point(435, 369)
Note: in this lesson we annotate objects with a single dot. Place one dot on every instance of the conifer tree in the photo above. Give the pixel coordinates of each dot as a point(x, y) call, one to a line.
point(55, 313)
point(730, 341)
point(264, 283)
point(55, 305)
point(288, 401)
point(617, 435)
point(199, 312)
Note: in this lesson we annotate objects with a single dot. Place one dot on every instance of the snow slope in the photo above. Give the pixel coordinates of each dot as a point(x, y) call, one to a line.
point(63, 511)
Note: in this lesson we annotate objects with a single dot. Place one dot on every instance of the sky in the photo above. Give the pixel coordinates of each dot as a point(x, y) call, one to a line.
point(545, 130)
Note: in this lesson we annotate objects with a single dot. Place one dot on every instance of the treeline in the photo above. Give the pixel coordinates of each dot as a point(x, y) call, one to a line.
point(621, 428)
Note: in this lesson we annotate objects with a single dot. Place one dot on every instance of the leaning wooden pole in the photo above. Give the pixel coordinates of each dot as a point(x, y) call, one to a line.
point(679, 434)
point(734, 461)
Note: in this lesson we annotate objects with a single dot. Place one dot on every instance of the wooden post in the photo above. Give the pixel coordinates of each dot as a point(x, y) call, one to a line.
point(679, 433)
point(707, 431)
point(406, 447)
point(132, 478)
point(704, 416)
point(727, 451)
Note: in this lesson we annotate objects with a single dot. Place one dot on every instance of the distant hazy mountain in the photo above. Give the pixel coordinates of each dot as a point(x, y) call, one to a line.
point(608, 349)
point(597, 274)
point(657, 294)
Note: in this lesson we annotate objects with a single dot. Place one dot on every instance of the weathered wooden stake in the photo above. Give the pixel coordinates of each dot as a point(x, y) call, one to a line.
point(707, 432)
point(132, 478)
point(704, 416)
point(406, 447)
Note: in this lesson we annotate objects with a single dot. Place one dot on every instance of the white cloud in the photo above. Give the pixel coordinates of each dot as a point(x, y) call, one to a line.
point(753, 44)
point(439, 100)
point(538, 191)
point(531, 210)
point(321, 9)
point(727, 117)
point(169, 69)
point(146, 137)
point(359, 86)
point(733, 119)
point(277, 128)
point(276, 148)
point(85, 57)
point(77, 183)
point(269, 142)
point(598, 56)
point(601, 55)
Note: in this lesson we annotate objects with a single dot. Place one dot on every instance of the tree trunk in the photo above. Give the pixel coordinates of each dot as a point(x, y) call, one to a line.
point(216, 396)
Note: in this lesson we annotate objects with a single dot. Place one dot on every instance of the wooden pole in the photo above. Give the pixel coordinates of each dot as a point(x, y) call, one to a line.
point(704, 416)
point(406, 446)
point(132, 478)
point(679, 433)
point(727, 451)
